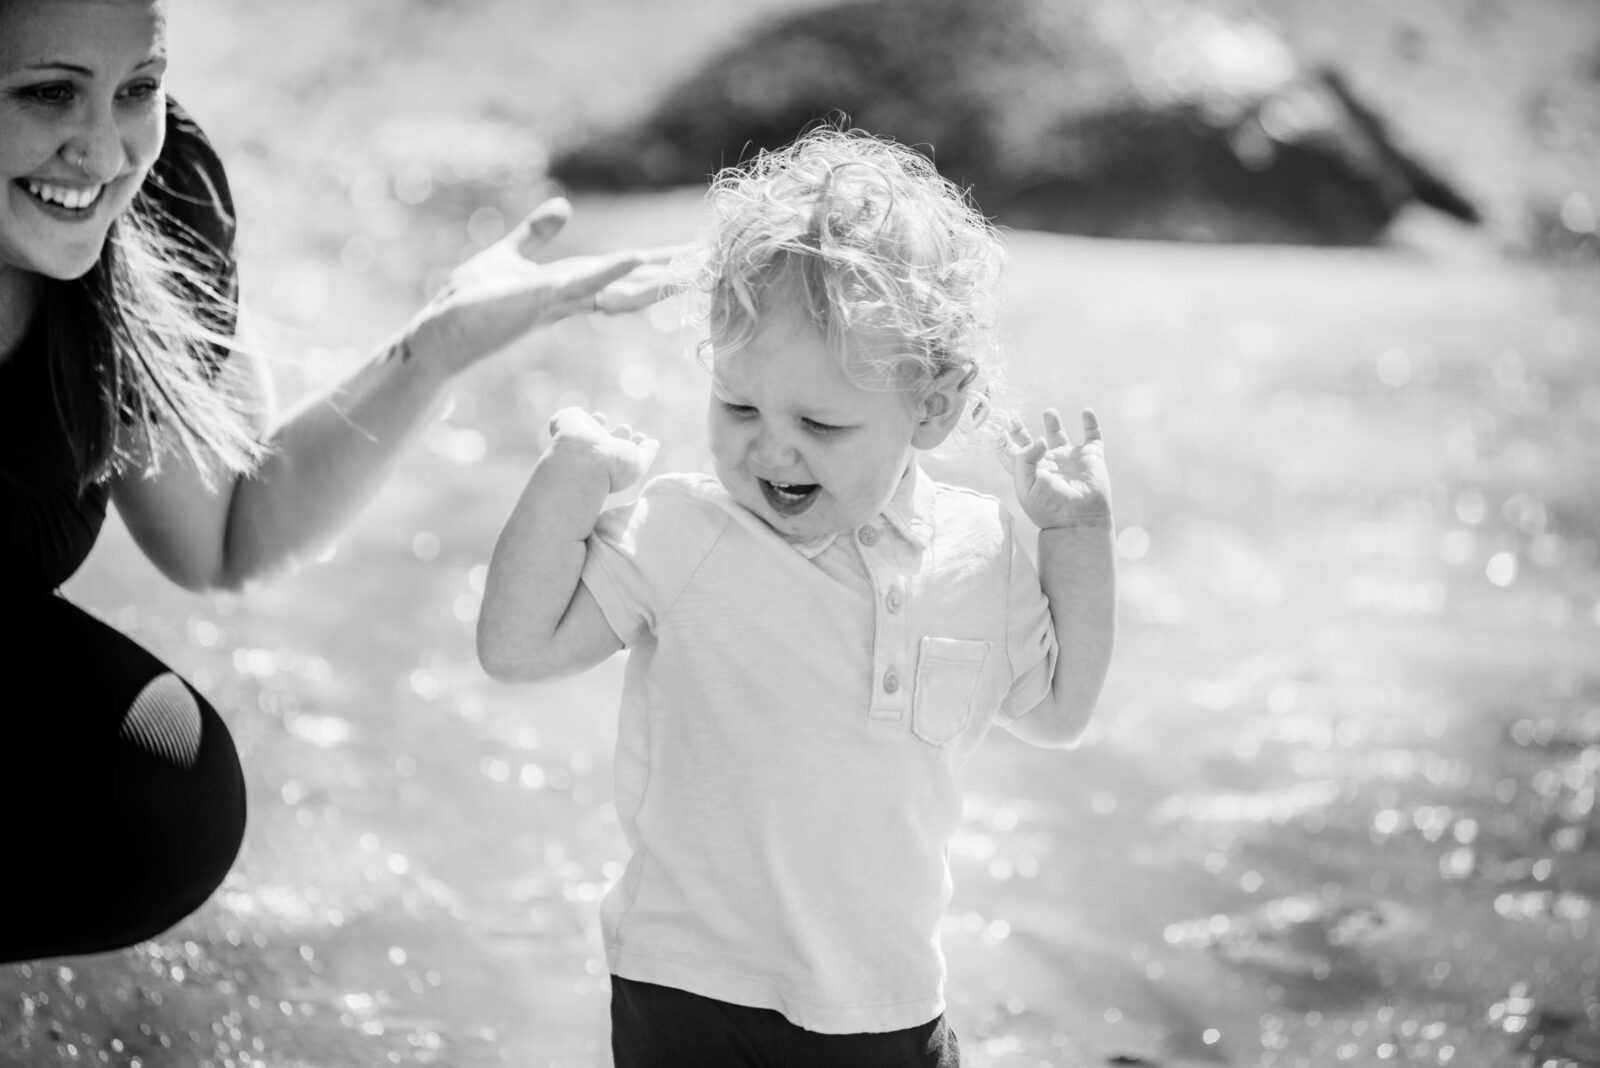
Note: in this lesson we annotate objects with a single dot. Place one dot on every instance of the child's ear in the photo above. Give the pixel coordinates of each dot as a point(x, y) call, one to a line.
point(939, 406)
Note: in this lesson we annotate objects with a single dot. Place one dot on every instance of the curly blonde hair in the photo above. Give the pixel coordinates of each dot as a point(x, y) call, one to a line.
point(880, 246)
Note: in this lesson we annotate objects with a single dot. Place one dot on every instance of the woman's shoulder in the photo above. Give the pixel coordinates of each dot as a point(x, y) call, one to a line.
point(189, 186)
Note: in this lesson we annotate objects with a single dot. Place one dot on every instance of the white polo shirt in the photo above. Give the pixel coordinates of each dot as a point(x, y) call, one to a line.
point(794, 720)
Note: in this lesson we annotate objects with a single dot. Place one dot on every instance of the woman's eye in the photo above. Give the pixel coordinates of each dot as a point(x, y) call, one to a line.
point(142, 90)
point(53, 93)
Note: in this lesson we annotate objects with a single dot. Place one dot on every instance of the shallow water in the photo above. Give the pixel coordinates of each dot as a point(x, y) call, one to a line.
point(1340, 805)
point(1340, 808)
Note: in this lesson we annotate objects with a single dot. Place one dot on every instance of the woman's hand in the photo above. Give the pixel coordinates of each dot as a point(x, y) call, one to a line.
point(1059, 484)
point(502, 293)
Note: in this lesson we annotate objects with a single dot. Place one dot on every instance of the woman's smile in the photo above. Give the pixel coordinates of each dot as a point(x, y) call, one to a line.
point(65, 202)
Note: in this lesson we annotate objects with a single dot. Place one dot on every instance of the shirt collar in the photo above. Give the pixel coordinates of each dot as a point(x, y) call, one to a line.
point(909, 512)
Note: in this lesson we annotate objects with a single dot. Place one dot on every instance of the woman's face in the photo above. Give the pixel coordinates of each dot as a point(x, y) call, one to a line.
point(82, 117)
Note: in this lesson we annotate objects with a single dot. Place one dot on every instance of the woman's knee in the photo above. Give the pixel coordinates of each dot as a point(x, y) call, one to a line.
point(180, 777)
point(165, 722)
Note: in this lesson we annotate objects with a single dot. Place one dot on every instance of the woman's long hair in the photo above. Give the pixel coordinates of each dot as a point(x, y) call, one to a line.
point(135, 350)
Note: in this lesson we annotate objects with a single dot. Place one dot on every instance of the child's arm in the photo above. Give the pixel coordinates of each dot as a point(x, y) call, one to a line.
point(1066, 491)
point(538, 621)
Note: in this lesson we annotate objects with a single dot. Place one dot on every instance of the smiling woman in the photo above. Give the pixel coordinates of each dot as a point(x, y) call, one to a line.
point(137, 274)
point(119, 384)
point(75, 151)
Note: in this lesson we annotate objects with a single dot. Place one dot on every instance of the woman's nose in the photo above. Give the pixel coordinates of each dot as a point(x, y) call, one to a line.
point(98, 149)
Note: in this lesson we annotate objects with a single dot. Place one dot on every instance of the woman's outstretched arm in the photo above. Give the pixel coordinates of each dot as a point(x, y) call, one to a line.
point(329, 455)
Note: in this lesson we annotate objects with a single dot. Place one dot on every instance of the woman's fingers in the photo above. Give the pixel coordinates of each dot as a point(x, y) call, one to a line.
point(624, 282)
point(589, 275)
point(638, 289)
point(661, 255)
point(597, 272)
point(541, 225)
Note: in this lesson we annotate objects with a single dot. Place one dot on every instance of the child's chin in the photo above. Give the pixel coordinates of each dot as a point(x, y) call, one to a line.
point(798, 527)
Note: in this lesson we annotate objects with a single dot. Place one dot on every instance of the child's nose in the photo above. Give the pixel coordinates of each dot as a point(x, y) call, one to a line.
point(773, 450)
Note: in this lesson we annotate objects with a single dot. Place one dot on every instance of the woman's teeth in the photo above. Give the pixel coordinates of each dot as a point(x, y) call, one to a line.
point(76, 199)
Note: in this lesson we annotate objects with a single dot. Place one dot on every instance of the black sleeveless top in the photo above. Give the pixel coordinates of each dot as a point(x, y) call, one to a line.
point(47, 527)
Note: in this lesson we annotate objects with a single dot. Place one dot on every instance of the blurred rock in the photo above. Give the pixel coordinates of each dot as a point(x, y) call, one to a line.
point(1096, 117)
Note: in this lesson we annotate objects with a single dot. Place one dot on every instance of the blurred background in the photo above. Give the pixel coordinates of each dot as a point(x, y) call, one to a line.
point(1339, 808)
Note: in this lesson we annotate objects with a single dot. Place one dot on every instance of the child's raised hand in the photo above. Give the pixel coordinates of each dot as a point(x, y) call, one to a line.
point(623, 454)
point(1058, 483)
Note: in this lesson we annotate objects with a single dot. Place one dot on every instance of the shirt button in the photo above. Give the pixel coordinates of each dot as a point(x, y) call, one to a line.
point(891, 681)
point(868, 535)
point(892, 599)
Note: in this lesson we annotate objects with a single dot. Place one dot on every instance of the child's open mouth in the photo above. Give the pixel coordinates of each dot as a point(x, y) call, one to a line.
point(788, 498)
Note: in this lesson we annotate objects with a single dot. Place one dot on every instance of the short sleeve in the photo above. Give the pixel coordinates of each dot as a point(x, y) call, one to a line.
point(643, 555)
point(187, 197)
point(1030, 635)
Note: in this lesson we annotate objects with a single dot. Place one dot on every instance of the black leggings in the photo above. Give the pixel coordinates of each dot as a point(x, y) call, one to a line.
point(121, 799)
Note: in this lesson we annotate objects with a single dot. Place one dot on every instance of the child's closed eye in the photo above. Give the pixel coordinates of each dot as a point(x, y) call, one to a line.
point(822, 429)
point(738, 411)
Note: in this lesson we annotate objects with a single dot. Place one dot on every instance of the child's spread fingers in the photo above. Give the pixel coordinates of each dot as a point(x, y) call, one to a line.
point(648, 448)
point(1055, 435)
point(572, 418)
point(1017, 436)
point(1091, 426)
point(1024, 462)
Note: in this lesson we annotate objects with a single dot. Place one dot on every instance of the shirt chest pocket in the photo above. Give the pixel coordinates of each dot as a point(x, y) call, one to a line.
point(948, 672)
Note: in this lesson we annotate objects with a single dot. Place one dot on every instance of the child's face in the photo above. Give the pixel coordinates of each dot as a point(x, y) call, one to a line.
point(795, 440)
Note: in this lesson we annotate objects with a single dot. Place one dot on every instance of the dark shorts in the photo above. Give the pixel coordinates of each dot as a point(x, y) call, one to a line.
point(662, 1027)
